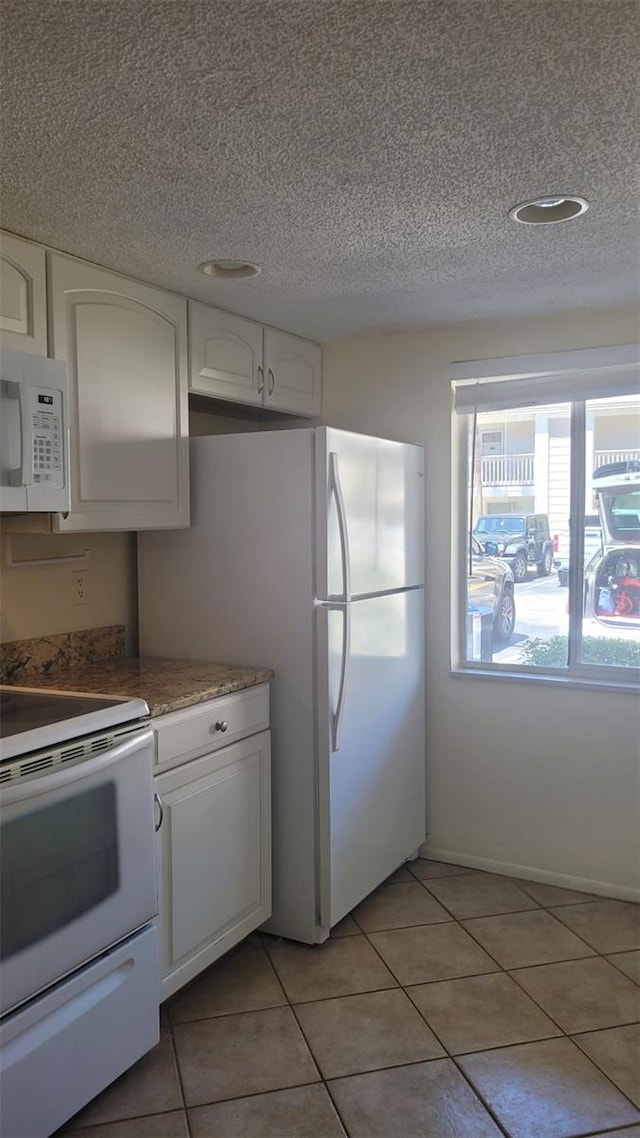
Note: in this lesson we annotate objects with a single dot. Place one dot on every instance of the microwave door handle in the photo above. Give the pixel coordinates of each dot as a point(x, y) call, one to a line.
point(26, 434)
point(89, 767)
point(22, 475)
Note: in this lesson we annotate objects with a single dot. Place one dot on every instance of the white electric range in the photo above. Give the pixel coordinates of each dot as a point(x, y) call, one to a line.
point(79, 990)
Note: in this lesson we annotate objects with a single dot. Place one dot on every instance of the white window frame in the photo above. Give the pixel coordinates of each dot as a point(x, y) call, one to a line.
point(573, 377)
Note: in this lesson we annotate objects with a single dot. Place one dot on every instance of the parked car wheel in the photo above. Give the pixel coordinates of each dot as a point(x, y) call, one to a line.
point(519, 567)
point(505, 619)
point(544, 566)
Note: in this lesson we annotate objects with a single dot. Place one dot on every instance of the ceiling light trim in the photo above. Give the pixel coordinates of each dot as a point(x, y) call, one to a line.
point(549, 210)
point(227, 269)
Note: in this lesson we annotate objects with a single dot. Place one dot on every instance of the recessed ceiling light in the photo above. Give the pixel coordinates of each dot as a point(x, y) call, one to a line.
point(550, 210)
point(229, 270)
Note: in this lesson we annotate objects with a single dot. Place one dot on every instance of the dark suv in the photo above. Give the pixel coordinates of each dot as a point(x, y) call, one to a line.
point(522, 540)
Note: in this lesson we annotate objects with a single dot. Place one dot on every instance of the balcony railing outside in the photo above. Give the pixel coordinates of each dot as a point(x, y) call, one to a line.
point(507, 469)
point(517, 469)
point(602, 457)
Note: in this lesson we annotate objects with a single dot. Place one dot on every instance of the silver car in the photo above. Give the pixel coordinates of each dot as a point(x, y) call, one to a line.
point(490, 590)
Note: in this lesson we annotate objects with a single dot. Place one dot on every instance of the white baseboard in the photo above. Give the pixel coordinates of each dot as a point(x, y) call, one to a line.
point(532, 873)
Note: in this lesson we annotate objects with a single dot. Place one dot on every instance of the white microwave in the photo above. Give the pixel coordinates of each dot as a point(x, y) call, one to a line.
point(34, 434)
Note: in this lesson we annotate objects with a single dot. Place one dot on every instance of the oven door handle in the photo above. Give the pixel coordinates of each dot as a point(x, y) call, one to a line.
point(89, 767)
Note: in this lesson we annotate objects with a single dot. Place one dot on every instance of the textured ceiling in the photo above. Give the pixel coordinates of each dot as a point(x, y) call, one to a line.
point(364, 152)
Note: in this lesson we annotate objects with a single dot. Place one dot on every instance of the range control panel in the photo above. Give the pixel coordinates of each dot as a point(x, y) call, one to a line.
point(46, 427)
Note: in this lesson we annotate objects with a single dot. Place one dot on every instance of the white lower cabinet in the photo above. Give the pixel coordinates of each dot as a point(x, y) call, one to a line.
point(214, 849)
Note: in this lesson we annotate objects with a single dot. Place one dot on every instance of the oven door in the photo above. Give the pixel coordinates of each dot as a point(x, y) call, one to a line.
point(77, 863)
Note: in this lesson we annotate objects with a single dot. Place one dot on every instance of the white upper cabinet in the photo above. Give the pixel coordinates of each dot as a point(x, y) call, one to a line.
point(23, 305)
point(125, 344)
point(292, 371)
point(238, 360)
point(225, 355)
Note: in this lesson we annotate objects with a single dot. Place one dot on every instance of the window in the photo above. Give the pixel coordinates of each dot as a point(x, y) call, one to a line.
point(549, 522)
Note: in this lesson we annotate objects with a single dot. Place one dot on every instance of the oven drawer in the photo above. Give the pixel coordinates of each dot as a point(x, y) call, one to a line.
point(183, 735)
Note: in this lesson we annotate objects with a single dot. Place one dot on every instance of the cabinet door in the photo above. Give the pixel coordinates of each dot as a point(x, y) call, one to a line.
point(125, 346)
point(293, 372)
point(214, 856)
point(23, 306)
point(225, 355)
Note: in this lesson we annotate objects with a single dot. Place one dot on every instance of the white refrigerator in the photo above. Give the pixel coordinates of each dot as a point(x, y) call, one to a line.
point(306, 555)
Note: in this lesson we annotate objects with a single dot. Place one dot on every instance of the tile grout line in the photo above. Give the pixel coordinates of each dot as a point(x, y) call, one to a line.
point(565, 1035)
point(500, 969)
point(174, 1050)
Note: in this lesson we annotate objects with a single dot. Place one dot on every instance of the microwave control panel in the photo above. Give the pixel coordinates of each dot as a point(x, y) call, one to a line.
point(47, 435)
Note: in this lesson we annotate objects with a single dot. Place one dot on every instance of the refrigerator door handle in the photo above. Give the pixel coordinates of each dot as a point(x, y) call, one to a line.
point(336, 716)
point(334, 477)
point(346, 652)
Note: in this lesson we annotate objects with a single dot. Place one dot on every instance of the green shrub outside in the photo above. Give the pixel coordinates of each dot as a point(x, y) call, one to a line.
point(552, 653)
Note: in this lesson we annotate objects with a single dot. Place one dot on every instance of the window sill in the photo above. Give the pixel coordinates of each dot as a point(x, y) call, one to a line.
point(616, 687)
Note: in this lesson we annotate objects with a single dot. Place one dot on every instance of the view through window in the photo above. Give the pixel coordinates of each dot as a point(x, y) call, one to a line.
point(552, 557)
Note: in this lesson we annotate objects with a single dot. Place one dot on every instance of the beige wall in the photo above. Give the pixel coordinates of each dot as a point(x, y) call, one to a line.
point(39, 600)
point(522, 776)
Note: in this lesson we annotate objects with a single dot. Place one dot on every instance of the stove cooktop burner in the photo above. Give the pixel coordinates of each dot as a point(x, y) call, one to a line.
point(25, 710)
point(35, 718)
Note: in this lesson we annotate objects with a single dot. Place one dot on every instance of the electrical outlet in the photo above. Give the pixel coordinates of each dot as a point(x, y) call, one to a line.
point(81, 587)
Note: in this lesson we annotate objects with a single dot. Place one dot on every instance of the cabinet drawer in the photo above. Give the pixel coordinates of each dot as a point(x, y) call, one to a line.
point(182, 735)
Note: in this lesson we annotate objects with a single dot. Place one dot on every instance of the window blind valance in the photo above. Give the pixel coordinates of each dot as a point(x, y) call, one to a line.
point(537, 381)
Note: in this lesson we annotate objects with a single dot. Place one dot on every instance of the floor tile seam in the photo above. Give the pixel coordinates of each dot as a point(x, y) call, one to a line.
point(307, 1044)
point(549, 1015)
point(71, 1131)
point(617, 966)
point(530, 908)
point(591, 955)
point(225, 1015)
point(600, 951)
point(597, 1030)
point(522, 912)
point(480, 946)
point(501, 1126)
point(507, 1132)
point(500, 1046)
point(601, 1068)
point(448, 920)
point(420, 1062)
point(552, 913)
point(277, 974)
point(343, 995)
point(254, 1094)
point(179, 1073)
point(387, 1066)
point(259, 1094)
point(498, 966)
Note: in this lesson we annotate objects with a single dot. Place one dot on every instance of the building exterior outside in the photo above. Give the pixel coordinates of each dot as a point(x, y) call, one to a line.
point(523, 457)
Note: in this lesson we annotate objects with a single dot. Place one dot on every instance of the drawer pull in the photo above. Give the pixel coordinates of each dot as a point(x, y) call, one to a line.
point(221, 725)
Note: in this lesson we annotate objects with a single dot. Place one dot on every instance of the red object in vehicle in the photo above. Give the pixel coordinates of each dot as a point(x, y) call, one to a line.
point(627, 601)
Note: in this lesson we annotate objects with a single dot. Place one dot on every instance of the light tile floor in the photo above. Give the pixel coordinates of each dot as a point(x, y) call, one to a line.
point(450, 1004)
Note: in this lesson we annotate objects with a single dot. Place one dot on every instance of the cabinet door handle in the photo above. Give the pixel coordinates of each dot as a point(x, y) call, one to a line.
point(272, 382)
point(221, 725)
point(158, 801)
point(260, 380)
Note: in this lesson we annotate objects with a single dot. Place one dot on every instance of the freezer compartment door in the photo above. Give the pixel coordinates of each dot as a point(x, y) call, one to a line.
point(370, 515)
point(372, 751)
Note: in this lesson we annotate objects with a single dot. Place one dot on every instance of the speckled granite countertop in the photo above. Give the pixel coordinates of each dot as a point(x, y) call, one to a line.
point(165, 685)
